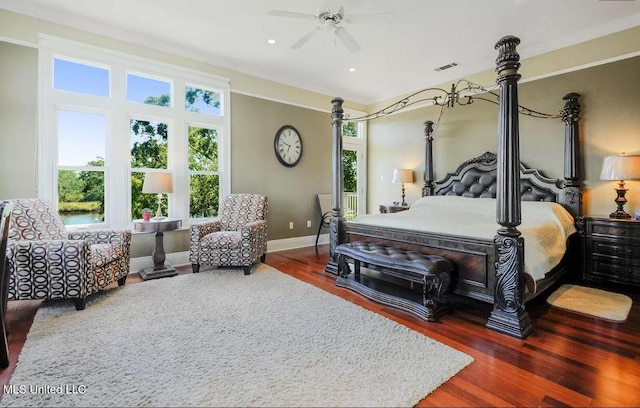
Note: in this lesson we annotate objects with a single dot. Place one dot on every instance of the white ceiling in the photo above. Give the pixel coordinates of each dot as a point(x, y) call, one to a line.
point(398, 53)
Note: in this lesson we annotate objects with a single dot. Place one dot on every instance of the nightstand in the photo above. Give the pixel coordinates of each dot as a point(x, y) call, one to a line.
point(384, 209)
point(611, 251)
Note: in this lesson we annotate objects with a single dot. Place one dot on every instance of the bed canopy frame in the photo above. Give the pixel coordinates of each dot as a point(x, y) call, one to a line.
point(508, 315)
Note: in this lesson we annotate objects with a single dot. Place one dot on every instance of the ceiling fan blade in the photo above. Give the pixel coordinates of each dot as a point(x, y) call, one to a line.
point(305, 39)
point(292, 14)
point(347, 39)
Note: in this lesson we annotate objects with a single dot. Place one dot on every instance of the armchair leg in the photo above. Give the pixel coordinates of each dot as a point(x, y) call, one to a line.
point(247, 270)
point(122, 280)
point(263, 258)
point(80, 303)
point(195, 268)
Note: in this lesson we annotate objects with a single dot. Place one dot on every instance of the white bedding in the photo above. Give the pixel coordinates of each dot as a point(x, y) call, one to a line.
point(545, 226)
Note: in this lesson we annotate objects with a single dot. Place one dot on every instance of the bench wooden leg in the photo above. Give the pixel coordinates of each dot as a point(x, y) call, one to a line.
point(435, 289)
point(343, 266)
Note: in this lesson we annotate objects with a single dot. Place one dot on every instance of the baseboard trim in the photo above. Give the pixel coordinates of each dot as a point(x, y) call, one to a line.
point(296, 242)
point(182, 258)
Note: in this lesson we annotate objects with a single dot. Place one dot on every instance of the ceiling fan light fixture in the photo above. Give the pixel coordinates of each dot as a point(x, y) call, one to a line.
point(271, 41)
point(328, 20)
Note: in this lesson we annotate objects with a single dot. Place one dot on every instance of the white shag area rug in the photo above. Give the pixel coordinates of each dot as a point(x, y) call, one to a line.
point(591, 301)
point(220, 338)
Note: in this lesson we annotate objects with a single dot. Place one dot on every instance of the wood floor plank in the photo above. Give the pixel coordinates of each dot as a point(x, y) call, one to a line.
point(570, 360)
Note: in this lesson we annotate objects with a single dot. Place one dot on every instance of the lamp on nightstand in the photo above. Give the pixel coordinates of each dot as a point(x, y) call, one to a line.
point(403, 176)
point(158, 183)
point(622, 167)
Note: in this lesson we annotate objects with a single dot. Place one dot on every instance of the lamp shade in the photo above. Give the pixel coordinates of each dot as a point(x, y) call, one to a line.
point(622, 167)
point(403, 176)
point(158, 183)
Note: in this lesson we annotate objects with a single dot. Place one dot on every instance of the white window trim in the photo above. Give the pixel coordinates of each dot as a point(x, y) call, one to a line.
point(359, 145)
point(119, 111)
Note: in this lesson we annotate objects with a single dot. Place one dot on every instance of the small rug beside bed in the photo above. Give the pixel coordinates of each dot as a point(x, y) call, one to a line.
point(593, 302)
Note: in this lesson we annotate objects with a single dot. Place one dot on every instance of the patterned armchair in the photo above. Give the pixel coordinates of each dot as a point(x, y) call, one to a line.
point(237, 238)
point(47, 262)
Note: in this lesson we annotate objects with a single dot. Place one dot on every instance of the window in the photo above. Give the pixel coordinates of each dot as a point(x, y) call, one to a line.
point(202, 100)
point(149, 150)
point(354, 166)
point(81, 171)
point(81, 78)
point(203, 172)
point(107, 119)
point(150, 91)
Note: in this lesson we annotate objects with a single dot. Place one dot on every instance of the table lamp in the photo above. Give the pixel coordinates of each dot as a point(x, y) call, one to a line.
point(622, 167)
point(158, 183)
point(403, 176)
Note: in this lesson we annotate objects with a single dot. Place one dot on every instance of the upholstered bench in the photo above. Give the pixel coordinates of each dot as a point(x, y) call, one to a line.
point(433, 272)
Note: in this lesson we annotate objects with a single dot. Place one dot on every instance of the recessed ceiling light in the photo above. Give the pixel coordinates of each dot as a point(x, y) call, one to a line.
point(271, 41)
point(352, 70)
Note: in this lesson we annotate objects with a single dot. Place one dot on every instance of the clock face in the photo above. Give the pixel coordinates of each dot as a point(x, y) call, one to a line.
point(288, 146)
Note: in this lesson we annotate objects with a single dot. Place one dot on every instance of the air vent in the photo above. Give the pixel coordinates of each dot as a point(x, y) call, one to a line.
point(450, 65)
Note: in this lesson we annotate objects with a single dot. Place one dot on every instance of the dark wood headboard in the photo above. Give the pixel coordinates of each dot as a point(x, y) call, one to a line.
point(476, 178)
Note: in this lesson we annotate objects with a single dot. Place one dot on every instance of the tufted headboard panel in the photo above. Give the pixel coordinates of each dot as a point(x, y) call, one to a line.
point(477, 178)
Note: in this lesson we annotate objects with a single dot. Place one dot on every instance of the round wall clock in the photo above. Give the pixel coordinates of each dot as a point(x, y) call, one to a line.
point(288, 145)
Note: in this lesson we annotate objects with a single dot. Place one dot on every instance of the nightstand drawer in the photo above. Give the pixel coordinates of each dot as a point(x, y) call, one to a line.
point(619, 231)
point(615, 271)
point(615, 249)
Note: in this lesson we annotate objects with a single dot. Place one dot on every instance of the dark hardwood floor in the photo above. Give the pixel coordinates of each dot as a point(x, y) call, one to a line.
point(570, 360)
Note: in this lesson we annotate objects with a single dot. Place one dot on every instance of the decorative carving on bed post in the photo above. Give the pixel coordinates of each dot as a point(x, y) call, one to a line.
point(509, 315)
point(572, 164)
point(429, 188)
point(337, 231)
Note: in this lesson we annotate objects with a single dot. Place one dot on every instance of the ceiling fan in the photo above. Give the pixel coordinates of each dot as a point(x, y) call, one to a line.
point(329, 20)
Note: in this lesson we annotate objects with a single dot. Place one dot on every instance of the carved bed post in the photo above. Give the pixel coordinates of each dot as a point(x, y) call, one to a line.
point(428, 188)
point(509, 315)
point(337, 232)
point(572, 163)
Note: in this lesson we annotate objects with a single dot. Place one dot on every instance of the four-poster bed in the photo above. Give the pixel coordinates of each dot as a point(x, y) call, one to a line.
point(490, 269)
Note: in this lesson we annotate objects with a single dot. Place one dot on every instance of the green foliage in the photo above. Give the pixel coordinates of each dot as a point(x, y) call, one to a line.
point(203, 149)
point(69, 186)
point(350, 170)
point(205, 188)
point(350, 129)
point(150, 144)
point(203, 199)
point(83, 206)
point(162, 100)
point(93, 183)
point(193, 94)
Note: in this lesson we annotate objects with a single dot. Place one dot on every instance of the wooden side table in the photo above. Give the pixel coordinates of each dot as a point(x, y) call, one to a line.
point(394, 208)
point(611, 251)
point(160, 269)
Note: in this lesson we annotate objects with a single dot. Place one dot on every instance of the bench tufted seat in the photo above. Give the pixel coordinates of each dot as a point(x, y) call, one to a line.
point(432, 271)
